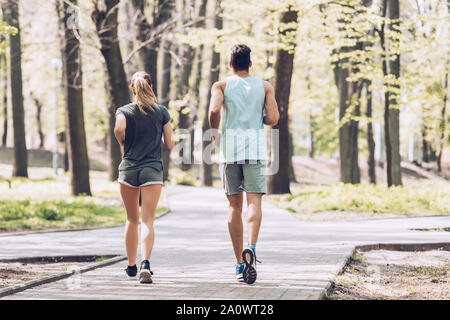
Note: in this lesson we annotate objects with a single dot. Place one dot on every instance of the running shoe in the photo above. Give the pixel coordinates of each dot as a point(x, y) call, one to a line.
point(145, 274)
point(249, 274)
point(240, 272)
point(131, 271)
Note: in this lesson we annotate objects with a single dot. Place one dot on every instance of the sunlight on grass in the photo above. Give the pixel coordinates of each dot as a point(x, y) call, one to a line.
point(415, 199)
point(35, 204)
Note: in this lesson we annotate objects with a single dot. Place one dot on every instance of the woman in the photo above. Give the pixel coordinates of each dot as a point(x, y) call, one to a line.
point(139, 128)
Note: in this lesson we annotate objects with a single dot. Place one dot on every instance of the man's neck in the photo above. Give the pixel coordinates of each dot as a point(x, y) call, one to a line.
point(242, 73)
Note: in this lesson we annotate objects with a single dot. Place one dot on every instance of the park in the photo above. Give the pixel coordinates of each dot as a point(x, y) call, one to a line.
point(357, 189)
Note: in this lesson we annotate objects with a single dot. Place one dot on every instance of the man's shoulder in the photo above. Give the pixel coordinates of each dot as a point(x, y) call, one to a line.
point(221, 84)
point(267, 85)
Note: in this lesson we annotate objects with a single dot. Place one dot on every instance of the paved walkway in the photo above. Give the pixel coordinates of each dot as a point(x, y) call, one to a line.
point(193, 257)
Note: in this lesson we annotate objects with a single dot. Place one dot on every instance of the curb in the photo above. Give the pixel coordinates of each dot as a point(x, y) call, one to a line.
point(63, 275)
point(25, 233)
point(405, 246)
point(329, 288)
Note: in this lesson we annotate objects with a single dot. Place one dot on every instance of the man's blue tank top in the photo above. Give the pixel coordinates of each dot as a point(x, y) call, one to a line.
point(243, 135)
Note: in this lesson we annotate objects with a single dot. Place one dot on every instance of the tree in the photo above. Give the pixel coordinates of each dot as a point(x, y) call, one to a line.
point(370, 139)
point(164, 88)
point(442, 123)
point(39, 107)
point(73, 81)
point(350, 90)
point(185, 117)
point(279, 183)
point(10, 10)
point(149, 46)
point(118, 93)
point(206, 169)
point(4, 69)
point(391, 112)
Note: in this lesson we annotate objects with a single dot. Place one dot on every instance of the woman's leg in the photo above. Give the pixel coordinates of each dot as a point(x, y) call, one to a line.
point(150, 197)
point(130, 197)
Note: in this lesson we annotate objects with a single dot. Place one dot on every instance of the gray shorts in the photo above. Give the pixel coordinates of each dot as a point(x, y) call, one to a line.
point(142, 177)
point(243, 177)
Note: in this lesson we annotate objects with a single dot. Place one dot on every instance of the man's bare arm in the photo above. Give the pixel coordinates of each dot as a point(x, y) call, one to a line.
point(119, 128)
point(216, 104)
point(272, 114)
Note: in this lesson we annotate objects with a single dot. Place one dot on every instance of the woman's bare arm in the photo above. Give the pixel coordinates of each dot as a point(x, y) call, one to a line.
point(168, 136)
point(119, 129)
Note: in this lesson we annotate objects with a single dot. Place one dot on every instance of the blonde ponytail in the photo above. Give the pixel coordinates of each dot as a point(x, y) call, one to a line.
point(141, 85)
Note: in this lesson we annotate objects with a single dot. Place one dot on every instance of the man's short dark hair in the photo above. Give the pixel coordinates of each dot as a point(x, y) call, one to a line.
point(240, 57)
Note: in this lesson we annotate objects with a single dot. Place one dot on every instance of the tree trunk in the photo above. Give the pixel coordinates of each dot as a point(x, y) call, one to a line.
point(131, 66)
point(442, 125)
point(148, 55)
point(311, 137)
point(425, 148)
point(206, 176)
point(393, 113)
point(348, 110)
point(370, 139)
point(118, 92)
point(41, 135)
point(11, 16)
point(76, 135)
point(4, 68)
point(185, 120)
point(279, 183)
point(164, 88)
point(164, 99)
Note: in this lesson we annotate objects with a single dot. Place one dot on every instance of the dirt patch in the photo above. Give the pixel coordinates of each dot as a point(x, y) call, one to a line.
point(395, 275)
point(16, 273)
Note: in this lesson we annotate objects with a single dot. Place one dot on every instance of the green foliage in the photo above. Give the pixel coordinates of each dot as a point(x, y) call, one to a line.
point(183, 178)
point(354, 257)
point(416, 200)
point(5, 30)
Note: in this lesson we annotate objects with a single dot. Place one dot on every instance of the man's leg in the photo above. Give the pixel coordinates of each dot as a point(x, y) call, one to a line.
point(235, 226)
point(254, 216)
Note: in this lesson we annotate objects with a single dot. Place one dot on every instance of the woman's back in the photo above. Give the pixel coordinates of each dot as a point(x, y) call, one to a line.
point(143, 134)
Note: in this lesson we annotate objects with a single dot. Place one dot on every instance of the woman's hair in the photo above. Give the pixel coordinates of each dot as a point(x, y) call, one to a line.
point(141, 86)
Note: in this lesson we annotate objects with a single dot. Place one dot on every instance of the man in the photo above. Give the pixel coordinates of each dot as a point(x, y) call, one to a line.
point(248, 103)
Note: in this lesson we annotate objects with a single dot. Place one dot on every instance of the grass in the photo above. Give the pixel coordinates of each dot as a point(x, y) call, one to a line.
point(415, 200)
point(47, 203)
point(30, 215)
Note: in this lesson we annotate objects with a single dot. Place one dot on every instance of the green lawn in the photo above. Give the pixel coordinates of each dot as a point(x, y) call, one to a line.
point(47, 203)
point(413, 200)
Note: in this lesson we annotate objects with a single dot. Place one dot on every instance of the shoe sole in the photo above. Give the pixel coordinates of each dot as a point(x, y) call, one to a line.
point(145, 277)
point(250, 273)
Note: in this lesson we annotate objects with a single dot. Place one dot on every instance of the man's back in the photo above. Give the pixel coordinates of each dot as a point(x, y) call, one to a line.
point(243, 120)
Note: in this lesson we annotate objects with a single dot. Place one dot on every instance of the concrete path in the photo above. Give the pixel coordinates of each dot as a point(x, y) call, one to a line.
point(193, 257)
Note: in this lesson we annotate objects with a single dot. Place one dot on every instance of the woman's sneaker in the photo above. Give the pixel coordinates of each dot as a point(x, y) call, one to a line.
point(249, 274)
point(131, 271)
point(240, 272)
point(145, 274)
